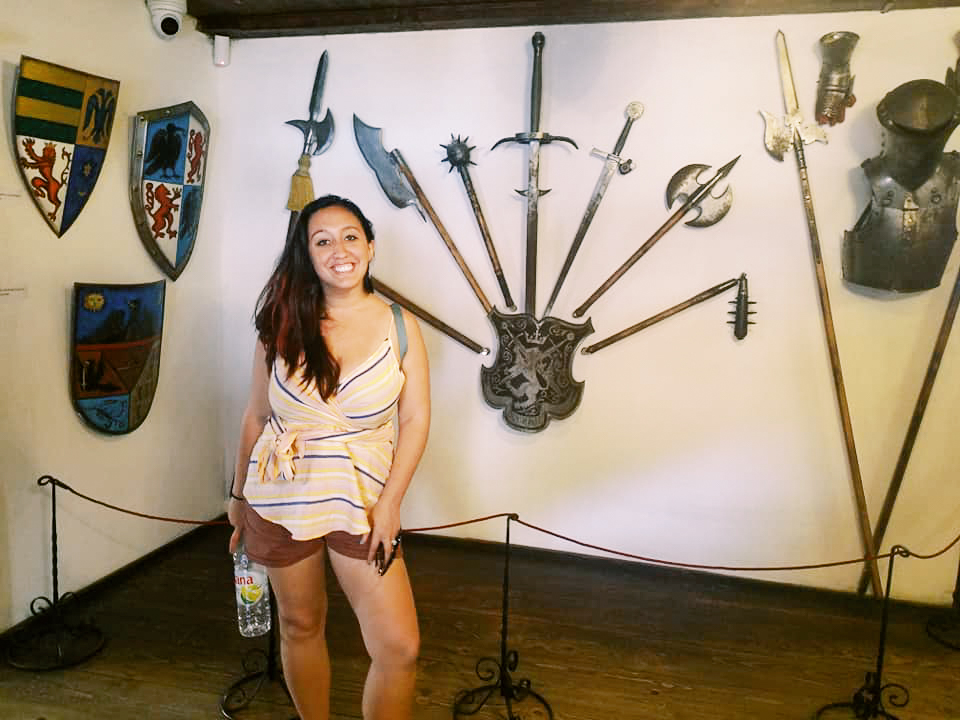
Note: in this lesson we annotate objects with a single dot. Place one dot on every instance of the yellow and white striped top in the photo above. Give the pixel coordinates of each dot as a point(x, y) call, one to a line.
point(319, 465)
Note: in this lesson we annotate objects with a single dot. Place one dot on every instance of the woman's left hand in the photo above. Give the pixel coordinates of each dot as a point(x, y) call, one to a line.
point(384, 529)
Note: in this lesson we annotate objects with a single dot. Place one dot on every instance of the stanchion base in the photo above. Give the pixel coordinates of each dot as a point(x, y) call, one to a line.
point(867, 702)
point(945, 630)
point(53, 643)
point(469, 702)
point(258, 671)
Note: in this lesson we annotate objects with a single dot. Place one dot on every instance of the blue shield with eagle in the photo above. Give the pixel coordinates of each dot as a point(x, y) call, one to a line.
point(168, 164)
point(117, 331)
point(61, 125)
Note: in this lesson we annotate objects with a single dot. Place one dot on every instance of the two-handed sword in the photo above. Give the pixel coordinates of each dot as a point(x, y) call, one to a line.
point(534, 140)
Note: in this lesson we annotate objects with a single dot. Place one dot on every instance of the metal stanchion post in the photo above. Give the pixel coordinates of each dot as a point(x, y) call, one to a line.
point(50, 641)
point(469, 702)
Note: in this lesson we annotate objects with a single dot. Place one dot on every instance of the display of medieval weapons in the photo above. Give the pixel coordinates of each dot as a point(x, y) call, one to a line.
point(835, 86)
point(317, 136)
point(686, 187)
point(533, 139)
point(458, 155)
point(612, 162)
point(778, 138)
point(740, 323)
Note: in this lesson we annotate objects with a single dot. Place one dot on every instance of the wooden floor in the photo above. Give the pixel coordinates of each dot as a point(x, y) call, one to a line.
point(598, 639)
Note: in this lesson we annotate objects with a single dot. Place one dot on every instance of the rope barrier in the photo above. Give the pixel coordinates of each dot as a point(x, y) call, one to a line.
point(47, 479)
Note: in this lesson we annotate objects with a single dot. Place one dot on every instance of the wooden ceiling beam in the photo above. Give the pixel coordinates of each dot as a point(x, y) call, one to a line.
point(279, 18)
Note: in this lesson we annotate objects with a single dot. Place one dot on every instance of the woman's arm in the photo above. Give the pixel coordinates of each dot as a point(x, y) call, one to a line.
point(255, 416)
point(413, 420)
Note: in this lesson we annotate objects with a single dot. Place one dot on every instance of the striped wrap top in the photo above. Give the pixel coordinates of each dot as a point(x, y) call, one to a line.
point(320, 465)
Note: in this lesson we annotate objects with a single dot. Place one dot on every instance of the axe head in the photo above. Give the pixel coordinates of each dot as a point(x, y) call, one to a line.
point(711, 208)
point(391, 180)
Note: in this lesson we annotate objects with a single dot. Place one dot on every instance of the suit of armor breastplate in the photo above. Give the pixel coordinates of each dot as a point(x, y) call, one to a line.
point(903, 239)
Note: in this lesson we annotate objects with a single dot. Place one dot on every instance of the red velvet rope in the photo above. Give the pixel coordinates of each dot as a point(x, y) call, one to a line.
point(516, 518)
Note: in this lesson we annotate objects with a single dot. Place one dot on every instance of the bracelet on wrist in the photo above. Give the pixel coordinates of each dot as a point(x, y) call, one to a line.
point(235, 496)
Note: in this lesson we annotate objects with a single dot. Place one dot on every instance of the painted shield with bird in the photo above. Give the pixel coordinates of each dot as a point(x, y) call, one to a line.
point(168, 164)
point(115, 350)
point(61, 126)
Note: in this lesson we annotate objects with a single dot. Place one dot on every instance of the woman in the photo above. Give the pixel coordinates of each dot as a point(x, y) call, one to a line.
point(335, 425)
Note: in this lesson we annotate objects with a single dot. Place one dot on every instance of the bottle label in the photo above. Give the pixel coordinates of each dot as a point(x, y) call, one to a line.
point(250, 587)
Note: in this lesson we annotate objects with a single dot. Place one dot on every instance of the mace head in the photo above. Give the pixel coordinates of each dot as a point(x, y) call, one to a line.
point(458, 152)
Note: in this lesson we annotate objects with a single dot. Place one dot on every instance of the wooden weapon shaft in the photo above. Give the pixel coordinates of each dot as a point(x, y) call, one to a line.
point(396, 297)
point(914, 428)
point(485, 233)
point(857, 481)
point(445, 236)
point(689, 302)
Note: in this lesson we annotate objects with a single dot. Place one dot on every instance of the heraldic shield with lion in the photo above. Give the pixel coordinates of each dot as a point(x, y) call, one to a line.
point(167, 167)
point(117, 331)
point(61, 126)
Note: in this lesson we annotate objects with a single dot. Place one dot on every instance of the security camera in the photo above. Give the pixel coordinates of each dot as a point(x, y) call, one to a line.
point(167, 16)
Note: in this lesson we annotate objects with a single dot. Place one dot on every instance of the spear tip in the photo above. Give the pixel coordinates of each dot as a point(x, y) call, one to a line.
point(722, 172)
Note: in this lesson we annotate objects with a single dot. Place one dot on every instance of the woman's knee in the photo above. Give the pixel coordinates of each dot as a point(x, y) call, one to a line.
point(302, 621)
point(400, 649)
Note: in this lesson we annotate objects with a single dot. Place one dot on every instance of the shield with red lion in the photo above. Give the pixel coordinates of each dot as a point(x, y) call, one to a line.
point(168, 164)
point(61, 125)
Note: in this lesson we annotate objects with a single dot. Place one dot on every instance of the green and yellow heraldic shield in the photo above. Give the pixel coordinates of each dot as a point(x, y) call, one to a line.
point(61, 127)
point(115, 351)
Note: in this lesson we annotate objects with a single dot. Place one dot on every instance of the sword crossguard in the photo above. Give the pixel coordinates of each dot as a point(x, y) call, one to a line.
point(623, 166)
point(525, 138)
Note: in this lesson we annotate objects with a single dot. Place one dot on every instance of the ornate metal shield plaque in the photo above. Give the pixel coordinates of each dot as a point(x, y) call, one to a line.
point(168, 163)
point(116, 353)
point(531, 378)
point(61, 127)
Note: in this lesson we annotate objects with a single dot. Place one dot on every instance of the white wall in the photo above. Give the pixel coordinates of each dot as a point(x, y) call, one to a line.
point(172, 465)
point(688, 445)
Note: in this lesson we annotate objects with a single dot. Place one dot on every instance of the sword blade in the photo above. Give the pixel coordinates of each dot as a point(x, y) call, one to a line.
point(533, 200)
point(786, 76)
point(608, 169)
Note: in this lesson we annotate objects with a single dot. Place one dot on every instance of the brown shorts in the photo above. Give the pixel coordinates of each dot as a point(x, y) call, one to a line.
point(273, 545)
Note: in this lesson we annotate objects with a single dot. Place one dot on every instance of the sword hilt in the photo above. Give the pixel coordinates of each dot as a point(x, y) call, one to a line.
point(536, 83)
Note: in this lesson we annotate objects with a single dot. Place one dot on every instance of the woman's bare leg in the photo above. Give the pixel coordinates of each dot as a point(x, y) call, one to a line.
point(388, 621)
point(301, 595)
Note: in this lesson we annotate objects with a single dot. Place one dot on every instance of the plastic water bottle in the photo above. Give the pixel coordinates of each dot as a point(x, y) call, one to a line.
point(253, 594)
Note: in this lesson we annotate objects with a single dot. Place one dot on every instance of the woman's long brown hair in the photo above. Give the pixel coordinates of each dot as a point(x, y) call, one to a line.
point(291, 306)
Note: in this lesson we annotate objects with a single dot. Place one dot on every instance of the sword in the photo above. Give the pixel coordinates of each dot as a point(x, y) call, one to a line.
point(317, 136)
point(612, 162)
point(402, 189)
point(796, 133)
point(458, 155)
point(693, 200)
point(533, 139)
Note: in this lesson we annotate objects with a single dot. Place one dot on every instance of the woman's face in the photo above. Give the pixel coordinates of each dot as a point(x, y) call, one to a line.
point(338, 248)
